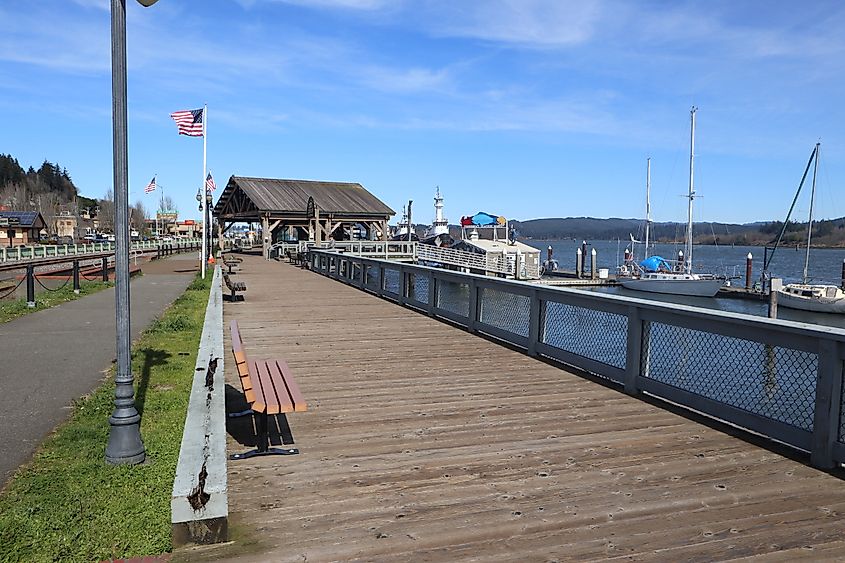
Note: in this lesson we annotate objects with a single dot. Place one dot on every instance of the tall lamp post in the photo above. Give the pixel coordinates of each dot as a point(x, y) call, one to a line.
point(205, 210)
point(125, 445)
point(210, 231)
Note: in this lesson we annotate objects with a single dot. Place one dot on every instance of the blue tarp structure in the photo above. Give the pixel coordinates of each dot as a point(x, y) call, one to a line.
point(482, 219)
point(654, 264)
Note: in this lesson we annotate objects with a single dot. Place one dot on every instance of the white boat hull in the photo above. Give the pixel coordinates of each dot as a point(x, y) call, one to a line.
point(679, 286)
point(816, 303)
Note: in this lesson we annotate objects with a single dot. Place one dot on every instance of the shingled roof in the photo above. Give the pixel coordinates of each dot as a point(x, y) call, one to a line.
point(286, 196)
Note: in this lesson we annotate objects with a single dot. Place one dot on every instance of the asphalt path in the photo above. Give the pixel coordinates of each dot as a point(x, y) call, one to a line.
point(54, 356)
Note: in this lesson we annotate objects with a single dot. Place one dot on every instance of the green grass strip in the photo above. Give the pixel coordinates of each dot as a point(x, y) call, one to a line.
point(68, 505)
point(13, 309)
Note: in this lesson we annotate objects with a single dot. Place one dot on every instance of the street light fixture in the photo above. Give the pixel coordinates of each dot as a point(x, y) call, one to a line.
point(125, 445)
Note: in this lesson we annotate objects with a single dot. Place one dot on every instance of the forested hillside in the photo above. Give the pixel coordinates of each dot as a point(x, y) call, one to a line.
point(825, 233)
point(50, 190)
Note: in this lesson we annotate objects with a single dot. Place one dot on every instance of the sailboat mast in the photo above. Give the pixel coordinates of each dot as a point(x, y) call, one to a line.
point(647, 204)
point(810, 220)
point(691, 196)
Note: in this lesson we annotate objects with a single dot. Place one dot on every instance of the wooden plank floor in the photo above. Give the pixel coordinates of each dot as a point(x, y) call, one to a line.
point(424, 442)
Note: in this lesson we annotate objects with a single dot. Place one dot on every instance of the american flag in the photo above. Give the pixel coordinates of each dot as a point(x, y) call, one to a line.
point(151, 187)
point(209, 183)
point(189, 122)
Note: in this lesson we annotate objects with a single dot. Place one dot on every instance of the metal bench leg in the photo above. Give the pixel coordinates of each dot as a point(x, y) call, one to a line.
point(262, 441)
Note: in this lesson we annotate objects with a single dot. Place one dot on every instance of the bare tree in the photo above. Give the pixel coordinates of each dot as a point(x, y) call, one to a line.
point(137, 214)
point(49, 206)
point(167, 205)
point(15, 195)
point(106, 214)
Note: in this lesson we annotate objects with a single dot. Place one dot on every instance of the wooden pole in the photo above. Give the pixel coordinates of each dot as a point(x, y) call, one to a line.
point(748, 262)
point(774, 286)
point(579, 262)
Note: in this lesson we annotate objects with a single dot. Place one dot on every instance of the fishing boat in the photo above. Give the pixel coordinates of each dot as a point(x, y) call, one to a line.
point(819, 298)
point(658, 275)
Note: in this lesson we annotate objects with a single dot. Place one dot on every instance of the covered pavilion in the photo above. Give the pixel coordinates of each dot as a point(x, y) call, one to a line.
point(295, 210)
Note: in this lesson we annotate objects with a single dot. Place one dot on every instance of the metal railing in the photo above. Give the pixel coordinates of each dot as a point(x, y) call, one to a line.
point(19, 253)
point(510, 265)
point(411, 251)
point(780, 379)
point(389, 250)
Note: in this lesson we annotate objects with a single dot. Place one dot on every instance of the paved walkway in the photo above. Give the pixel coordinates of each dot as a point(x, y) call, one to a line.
point(51, 357)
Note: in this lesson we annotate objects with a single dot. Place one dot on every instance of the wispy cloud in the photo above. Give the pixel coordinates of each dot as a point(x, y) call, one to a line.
point(536, 23)
point(366, 5)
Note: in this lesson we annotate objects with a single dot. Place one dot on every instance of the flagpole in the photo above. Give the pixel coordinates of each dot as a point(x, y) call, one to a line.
point(203, 190)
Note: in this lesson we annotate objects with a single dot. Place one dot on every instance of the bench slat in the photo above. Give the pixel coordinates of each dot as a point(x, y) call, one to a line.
point(268, 383)
point(279, 386)
point(237, 343)
point(292, 388)
point(260, 400)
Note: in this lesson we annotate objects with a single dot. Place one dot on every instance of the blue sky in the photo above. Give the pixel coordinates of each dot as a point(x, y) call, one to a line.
point(523, 108)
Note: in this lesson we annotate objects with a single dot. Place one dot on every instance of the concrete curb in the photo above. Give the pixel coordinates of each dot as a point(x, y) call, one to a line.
point(199, 504)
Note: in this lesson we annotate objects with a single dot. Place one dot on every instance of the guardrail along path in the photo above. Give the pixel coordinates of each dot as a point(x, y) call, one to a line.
point(423, 441)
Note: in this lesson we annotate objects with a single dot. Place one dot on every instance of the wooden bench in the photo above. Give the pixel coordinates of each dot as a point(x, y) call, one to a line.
point(232, 262)
point(234, 287)
point(269, 388)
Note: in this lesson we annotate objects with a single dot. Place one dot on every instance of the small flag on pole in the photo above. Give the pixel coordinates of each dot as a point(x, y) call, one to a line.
point(189, 122)
point(151, 187)
point(209, 183)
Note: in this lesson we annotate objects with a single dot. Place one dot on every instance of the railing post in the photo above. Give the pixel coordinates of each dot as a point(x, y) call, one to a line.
point(828, 399)
point(30, 286)
point(403, 285)
point(76, 286)
point(535, 322)
point(432, 293)
point(105, 268)
point(381, 280)
point(474, 309)
point(633, 357)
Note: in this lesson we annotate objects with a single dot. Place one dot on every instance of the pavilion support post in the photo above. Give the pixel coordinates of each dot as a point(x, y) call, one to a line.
point(265, 237)
point(220, 230)
point(383, 225)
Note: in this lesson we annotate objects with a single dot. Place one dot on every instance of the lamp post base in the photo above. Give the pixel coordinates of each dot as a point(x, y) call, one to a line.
point(125, 446)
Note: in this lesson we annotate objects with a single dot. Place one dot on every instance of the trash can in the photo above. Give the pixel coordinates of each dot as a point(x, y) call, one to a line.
point(603, 273)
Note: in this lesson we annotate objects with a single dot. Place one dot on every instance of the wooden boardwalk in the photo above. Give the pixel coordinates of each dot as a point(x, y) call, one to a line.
point(424, 442)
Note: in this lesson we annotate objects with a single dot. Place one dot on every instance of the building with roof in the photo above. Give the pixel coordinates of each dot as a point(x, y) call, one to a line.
point(294, 210)
point(18, 228)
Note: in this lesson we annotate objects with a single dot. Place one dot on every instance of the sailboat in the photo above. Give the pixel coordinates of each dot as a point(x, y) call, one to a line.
point(655, 274)
point(821, 298)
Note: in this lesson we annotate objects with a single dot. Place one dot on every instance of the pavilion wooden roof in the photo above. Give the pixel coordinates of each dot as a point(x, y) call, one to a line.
point(245, 196)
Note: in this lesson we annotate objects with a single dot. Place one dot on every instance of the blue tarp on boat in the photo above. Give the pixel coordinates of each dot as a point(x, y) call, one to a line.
point(654, 264)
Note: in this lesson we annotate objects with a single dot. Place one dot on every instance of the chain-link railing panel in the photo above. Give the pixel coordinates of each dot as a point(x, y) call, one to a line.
point(391, 280)
point(453, 297)
point(418, 289)
point(506, 311)
point(771, 381)
point(593, 334)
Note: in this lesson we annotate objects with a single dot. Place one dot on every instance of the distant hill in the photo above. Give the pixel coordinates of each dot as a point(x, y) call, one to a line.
point(825, 233)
